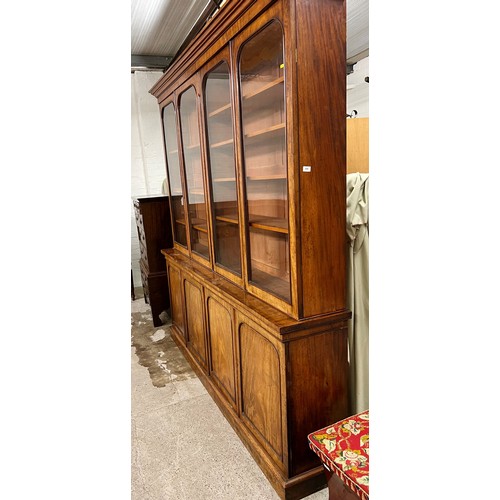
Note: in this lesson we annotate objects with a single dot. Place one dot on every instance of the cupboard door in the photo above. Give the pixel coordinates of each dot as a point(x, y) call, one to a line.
point(221, 342)
point(176, 301)
point(261, 375)
point(197, 210)
point(174, 175)
point(193, 294)
point(221, 158)
point(263, 116)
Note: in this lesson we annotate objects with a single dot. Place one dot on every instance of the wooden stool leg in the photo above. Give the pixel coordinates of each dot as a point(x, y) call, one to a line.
point(337, 490)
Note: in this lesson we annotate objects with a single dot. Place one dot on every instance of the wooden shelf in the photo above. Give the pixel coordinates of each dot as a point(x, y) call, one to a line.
point(191, 146)
point(274, 224)
point(266, 177)
point(199, 225)
point(267, 130)
point(264, 88)
point(202, 229)
point(276, 285)
point(200, 248)
point(224, 179)
point(219, 110)
point(197, 191)
point(221, 144)
point(230, 218)
point(180, 221)
point(173, 152)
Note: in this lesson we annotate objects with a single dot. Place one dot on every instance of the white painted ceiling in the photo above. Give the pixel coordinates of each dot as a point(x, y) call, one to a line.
point(159, 27)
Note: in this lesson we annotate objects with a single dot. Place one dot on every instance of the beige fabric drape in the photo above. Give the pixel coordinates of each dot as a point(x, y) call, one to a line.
point(357, 288)
point(164, 187)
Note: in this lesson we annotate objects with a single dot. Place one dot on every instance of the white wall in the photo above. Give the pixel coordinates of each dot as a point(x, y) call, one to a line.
point(148, 163)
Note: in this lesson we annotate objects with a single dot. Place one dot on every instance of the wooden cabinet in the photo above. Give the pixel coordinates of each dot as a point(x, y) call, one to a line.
point(253, 114)
point(275, 379)
point(152, 215)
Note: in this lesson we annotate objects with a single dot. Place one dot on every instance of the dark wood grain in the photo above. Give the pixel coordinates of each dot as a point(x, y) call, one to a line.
point(195, 327)
point(222, 348)
point(261, 387)
point(321, 92)
point(177, 301)
point(313, 385)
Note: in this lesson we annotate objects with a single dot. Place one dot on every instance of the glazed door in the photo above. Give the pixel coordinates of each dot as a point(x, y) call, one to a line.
point(174, 175)
point(218, 111)
point(198, 227)
point(261, 81)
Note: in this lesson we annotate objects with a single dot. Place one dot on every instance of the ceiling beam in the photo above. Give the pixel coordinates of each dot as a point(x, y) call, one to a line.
point(150, 62)
point(161, 63)
point(354, 59)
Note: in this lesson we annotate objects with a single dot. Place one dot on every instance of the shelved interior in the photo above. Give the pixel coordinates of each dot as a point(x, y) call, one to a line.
point(261, 76)
point(198, 228)
point(262, 107)
point(174, 173)
point(222, 168)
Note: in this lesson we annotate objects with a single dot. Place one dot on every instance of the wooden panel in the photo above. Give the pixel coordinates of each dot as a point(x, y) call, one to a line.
point(261, 387)
point(220, 328)
point(322, 80)
point(194, 319)
point(357, 145)
point(176, 303)
point(317, 374)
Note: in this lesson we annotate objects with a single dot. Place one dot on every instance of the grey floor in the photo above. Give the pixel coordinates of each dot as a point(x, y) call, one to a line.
point(182, 446)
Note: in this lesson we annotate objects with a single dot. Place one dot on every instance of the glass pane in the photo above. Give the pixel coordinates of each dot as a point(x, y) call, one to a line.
point(194, 174)
point(222, 168)
point(264, 145)
point(174, 174)
point(270, 253)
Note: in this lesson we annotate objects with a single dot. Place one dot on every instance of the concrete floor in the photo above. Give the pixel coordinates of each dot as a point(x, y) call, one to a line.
point(182, 446)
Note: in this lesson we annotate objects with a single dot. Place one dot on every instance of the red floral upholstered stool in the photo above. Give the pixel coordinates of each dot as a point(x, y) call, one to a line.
point(343, 448)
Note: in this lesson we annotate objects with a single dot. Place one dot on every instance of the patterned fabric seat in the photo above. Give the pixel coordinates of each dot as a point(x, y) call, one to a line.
point(344, 448)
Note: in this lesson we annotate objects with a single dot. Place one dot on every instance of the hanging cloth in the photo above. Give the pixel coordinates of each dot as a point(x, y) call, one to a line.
point(357, 288)
point(164, 187)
